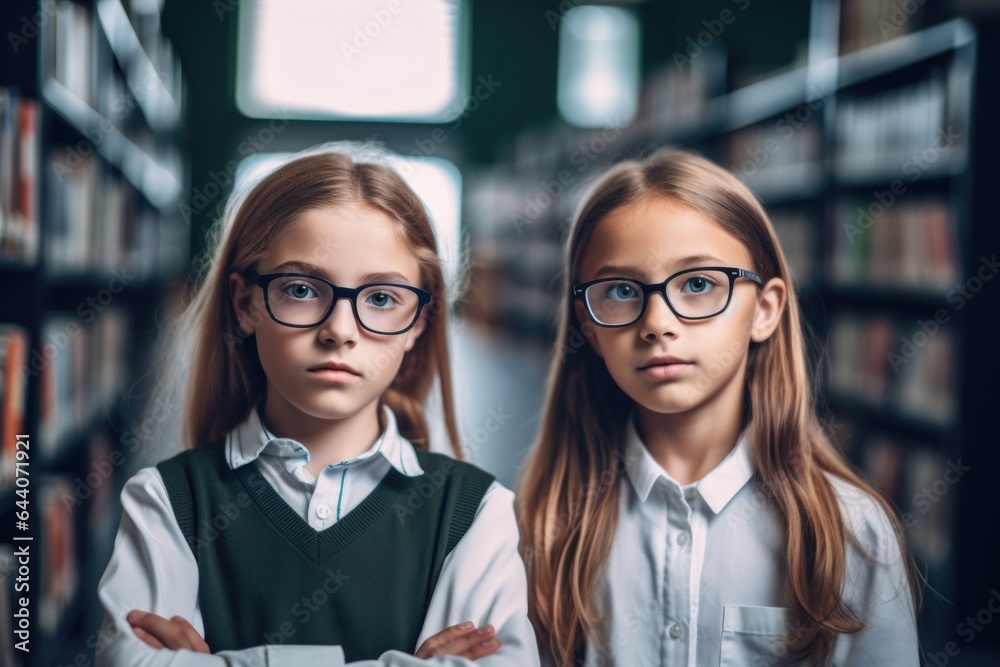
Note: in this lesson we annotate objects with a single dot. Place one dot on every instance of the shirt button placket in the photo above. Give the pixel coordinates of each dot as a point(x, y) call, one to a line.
point(676, 577)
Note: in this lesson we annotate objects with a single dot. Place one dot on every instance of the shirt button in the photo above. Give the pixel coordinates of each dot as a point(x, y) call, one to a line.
point(675, 631)
point(682, 538)
point(323, 511)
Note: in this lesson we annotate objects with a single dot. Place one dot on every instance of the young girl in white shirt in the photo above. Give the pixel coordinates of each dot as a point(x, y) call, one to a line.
point(683, 504)
point(308, 521)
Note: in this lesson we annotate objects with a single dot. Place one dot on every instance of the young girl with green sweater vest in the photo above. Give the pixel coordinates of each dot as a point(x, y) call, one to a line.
point(307, 520)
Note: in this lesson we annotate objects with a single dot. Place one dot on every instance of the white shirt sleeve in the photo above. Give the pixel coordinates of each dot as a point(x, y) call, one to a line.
point(877, 591)
point(152, 569)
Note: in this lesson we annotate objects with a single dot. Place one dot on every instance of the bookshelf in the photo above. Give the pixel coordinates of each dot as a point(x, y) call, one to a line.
point(872, 159)
point(93, 170)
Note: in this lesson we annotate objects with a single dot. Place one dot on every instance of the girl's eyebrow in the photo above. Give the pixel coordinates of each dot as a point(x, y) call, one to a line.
point(619, 270)
point(629, 270)
point(390, 277)
point(304, 267)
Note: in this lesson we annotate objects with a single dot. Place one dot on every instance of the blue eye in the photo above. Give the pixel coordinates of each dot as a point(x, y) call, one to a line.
point(697, 285)
point(380, 299)
point(622, 291)
point(301, 290)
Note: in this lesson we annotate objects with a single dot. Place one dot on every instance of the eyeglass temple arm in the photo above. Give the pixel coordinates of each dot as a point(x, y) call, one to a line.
point(750, 275)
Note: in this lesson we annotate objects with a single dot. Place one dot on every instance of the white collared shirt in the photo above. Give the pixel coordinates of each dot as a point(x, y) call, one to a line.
point(152, 567)
point(696, 573)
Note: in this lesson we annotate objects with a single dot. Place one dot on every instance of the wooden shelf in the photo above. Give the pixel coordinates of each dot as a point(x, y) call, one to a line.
point(893, 419)
point(161, 187)
point(162, 111)
point(788, 182)
point(903, 51)
point(893, 298)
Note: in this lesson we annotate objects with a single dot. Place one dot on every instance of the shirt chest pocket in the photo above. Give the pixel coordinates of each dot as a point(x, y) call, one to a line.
point(752, 636)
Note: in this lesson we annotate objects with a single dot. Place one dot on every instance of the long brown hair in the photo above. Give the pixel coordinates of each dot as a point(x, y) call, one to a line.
point(567, 503)
point(224, 377)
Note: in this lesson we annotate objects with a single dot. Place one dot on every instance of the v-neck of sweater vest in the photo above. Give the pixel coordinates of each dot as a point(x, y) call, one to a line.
point(320, 545)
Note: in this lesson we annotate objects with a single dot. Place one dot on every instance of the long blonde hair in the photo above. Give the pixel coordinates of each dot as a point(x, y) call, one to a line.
point(568, 507)
point(223, 378)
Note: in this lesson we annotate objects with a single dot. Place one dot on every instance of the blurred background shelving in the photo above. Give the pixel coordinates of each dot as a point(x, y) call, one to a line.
point(93, 166)
point(865, 127)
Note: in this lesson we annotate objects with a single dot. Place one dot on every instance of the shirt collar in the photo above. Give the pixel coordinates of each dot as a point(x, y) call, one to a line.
point(251, 438)
point(717, 488)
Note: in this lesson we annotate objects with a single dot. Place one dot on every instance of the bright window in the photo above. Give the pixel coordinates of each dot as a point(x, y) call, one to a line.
point(598, 84)
point(403, 60)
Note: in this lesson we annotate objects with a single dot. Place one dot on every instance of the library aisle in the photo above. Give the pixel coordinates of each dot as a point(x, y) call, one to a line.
point(867, 129)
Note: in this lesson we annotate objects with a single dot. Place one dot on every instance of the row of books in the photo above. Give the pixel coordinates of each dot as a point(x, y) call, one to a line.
point(865, 23)
point(796, 229)
point(889, 240)
point(905, 367)
point(516, 224)
point(18, 177)
point(57, 541)
point(779, 159)
point(53, 565)
point(81, 370)
point(776, 144)
point(56, 503)
point(675, 95)
point(8, 574)
point(72, 53)
point(129, 117)
point(920, 480)
point(905, 133)
point(145, 19)
point(152, 70)
point(521, 287)
point(98, 223)
point(13, 357)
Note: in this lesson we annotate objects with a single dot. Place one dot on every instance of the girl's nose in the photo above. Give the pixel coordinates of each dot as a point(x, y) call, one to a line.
point(658, 319)
point(341, 326)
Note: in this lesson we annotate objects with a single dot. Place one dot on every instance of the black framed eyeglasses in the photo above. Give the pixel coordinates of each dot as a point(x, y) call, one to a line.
point(692, 294)
point(301, 300)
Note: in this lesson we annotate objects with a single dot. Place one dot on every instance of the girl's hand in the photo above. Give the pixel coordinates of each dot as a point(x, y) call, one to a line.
point(463, 640)
point(159, 632)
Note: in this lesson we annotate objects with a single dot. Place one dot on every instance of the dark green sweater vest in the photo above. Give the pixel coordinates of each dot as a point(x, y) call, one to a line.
point(265, 576)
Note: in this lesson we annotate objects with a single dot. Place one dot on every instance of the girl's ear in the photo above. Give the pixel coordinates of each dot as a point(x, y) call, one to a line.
point(241, 294)
point(770, 306)
point(583, 320)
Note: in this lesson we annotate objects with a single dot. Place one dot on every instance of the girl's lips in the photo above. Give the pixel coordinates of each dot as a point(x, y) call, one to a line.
point(665, 371)
point(335, 376)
